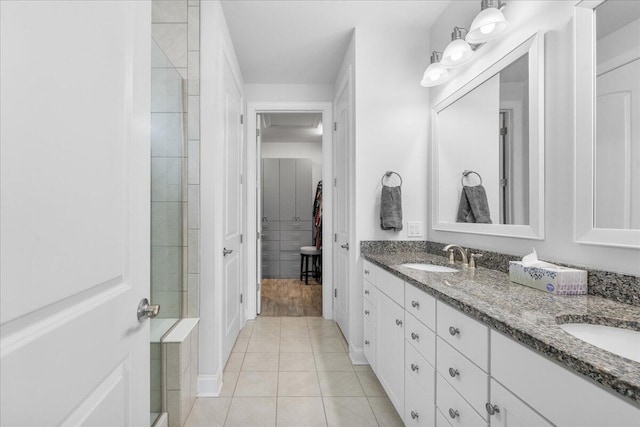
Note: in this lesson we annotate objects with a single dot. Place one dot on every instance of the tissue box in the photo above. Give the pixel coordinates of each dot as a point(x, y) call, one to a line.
point(552, 279)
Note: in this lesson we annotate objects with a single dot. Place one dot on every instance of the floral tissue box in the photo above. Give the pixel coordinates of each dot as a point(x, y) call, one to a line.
point(550, 278)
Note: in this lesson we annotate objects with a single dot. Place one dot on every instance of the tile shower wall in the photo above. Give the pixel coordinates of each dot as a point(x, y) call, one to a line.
point(176, 28)
point(180, 365)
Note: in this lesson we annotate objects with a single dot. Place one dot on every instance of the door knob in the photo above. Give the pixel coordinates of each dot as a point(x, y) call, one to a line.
point(345, 246)
point(226, 251)
point(145, 310)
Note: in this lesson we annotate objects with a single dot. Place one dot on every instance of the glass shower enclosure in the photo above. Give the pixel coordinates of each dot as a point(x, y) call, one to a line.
point(167, 204)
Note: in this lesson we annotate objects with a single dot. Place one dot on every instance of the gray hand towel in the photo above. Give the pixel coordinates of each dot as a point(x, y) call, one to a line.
point(391, 208)
point(473, 205)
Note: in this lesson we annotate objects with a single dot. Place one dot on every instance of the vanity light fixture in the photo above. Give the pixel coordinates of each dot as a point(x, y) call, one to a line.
point(488, 24)
point(435, 73)
point(458, 51)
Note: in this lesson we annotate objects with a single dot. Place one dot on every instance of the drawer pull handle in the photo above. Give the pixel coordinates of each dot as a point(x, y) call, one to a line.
point(398, 322)
point(414, 415)
point(415, 304)
point(366, 342)
point(492, 409)
point(454, 372)
point(366, 312)
point(415, 336)
point(414, 367)
point(454, 331)
point(366, 292)
point(366, 272)
point(453, 413)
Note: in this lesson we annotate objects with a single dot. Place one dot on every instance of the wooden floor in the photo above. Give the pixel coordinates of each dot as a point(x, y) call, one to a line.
point(291, 297)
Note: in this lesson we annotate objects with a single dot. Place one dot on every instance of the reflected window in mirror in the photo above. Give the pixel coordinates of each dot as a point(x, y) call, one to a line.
point(617, 116)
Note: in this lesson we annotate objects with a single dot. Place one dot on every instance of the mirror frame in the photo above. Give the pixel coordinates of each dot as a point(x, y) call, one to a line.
point(585, 109)
point(534, 46)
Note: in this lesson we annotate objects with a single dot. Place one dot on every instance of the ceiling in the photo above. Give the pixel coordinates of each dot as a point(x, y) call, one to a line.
point(304, 41)
point(291, 127)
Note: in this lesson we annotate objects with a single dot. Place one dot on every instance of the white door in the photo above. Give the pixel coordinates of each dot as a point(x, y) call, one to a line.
point(74, 209)
point(232, 210)
point(341, 242)
point(617, 156)
point(259, 216)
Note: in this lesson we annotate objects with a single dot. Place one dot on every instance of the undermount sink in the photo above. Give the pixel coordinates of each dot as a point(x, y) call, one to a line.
point(620, 341)
point(430, 267)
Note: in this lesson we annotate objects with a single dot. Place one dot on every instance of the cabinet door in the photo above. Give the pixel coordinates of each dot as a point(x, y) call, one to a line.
point(369, 335)
point(304, 191)
point(420, 409)
point(287, 189)
point(511, 411)
point(390, 350)
point(271, 189)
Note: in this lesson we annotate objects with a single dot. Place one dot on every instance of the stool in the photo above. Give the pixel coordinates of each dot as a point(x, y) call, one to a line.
point(307, 252)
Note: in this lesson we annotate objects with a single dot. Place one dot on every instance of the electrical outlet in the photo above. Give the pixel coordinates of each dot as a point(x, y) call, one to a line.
point(414, 229)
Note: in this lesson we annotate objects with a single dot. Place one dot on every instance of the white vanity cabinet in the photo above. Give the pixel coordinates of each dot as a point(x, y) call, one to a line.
point(509, 411)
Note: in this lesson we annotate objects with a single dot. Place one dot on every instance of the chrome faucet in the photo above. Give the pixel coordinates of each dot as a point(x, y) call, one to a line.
point(452, 258)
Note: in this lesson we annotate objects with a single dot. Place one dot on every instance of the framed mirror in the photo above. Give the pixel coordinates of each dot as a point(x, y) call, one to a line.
point(608, 123)
point(488, 149)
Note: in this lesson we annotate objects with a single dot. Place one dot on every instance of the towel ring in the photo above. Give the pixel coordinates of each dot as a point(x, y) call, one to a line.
point(466, 174)
point(388, 174)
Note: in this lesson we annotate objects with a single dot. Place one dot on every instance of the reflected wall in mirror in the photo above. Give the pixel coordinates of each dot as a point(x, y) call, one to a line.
point(608, 123)
point(488, 150)
point(617, 142)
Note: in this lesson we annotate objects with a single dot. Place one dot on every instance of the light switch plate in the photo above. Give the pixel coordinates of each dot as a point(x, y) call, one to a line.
point(414, 229)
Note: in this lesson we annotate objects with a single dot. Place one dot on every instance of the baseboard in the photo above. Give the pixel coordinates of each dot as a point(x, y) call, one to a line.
point(209, 385)
point(357, 356)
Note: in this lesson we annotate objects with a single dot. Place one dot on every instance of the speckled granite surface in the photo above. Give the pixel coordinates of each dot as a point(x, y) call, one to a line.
point(527, 315)
point(618, 287)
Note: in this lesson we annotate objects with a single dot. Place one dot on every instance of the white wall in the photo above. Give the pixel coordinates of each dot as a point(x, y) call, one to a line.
point(216, 46)
point(556, 19)
point(297, 150)
point(287, 93)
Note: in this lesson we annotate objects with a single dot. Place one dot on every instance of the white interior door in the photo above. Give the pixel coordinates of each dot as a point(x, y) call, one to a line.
point(341, 224)
point(232, 210)
point(259, 216)
point(74, 209)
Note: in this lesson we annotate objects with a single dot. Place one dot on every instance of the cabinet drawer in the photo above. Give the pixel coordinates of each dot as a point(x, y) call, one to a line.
point(468, 380)
point(270, 269)
point(270, 255)
point(421, 305)
point(511, 410)
point(369, 292)
point(441, 420)
point(421, 337)
point(420, 370)
point(294, 245)
point(368, 272)
point(456, 410)
point(270, 235)
point(290, 269)
point(296, 225)
point(298, 235)
point(420, 409)
point(390, 285)
point(270, 225)
point(369, 312)
point(369, 341)
point(270, 245)
point(543, 384)
point(465, 334)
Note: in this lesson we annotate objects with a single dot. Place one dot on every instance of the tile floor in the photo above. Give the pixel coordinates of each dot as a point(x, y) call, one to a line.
point(294, 371)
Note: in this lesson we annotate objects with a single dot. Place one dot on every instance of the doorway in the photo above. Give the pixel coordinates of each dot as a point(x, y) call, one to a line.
point(290, 208)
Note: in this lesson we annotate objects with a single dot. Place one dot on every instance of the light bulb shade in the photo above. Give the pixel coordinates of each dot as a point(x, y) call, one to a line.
point(487, 25)
point(457, 53)
point(434, 75)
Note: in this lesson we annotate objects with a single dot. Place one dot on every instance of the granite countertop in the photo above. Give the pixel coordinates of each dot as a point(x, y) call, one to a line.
point(529, 316)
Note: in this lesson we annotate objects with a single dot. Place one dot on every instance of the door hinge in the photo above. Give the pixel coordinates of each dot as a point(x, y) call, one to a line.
point(335, 293)
point(241, 238)
point(335, 237)
point(503, 182)
point(257, 132)
point(335, 126)
point(240, 298)
point(241, 179)
point(241, 119)
point(503, 131)
point(258, 235)
point(335, 182)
